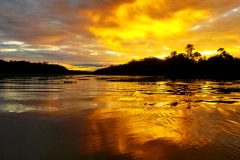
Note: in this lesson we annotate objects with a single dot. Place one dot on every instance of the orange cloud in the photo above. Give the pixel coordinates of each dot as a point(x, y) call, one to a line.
point(141, 20)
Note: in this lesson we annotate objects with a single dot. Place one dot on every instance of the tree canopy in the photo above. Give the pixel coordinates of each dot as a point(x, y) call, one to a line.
point(188, 63)
point(25, 67)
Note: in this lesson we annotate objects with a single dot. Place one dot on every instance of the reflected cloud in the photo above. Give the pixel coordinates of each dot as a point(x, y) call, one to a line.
point(139, 130)
point(17, 108)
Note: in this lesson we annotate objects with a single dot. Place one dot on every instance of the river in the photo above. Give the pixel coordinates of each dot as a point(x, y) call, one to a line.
point(112, 117)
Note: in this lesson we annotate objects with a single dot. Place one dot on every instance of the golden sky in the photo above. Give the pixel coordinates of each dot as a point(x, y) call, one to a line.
point(90, 34)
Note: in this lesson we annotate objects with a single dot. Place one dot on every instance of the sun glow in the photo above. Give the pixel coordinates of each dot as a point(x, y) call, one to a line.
point(208, 53)
point(141, 20)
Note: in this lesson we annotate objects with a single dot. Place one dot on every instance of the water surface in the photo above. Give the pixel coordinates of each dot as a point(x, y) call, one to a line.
point(99, 117)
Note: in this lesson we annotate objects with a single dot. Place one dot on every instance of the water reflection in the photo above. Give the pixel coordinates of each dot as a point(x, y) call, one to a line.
point(119, 118)
point(154, 133)
point(133, 130)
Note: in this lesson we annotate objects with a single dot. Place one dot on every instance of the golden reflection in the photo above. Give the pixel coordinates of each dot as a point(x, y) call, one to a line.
point(143, 132)
point(130, 99)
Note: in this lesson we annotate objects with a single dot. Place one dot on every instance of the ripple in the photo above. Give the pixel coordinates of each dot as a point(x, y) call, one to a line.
point(220, 101)
point(123, 117)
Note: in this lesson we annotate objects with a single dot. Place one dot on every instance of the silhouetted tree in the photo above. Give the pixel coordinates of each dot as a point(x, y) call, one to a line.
point(179, 64)
point(221, 50)
point(189, 48)
point(196, 56)
point(224, 54)
point(173, 53)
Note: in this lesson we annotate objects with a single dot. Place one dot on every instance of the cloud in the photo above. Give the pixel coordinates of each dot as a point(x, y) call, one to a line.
point(114, 31)
point(163, 22)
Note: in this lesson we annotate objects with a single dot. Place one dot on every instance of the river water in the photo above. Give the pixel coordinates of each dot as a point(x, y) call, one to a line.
point(110, 117)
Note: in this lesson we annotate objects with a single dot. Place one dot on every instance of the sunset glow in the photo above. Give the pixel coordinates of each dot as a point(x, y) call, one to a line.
point(104, 32)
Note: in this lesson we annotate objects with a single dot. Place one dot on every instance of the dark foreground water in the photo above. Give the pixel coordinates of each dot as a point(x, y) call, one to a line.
point(97, 117)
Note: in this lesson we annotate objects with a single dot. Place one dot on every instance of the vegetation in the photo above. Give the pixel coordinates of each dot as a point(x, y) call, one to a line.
point(176, 64)
point(24, 67)
point(182, 64)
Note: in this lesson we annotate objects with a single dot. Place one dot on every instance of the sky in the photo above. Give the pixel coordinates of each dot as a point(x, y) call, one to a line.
point(90, 34)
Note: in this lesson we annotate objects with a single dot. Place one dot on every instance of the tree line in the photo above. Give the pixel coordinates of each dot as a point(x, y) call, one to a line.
point(19, 67)
point(179, 64)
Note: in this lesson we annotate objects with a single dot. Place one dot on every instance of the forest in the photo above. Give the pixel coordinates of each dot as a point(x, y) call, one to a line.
point(24, 67)
point(179, 64)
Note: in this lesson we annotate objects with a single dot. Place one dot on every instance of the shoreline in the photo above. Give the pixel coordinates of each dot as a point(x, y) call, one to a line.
point(211, 77)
